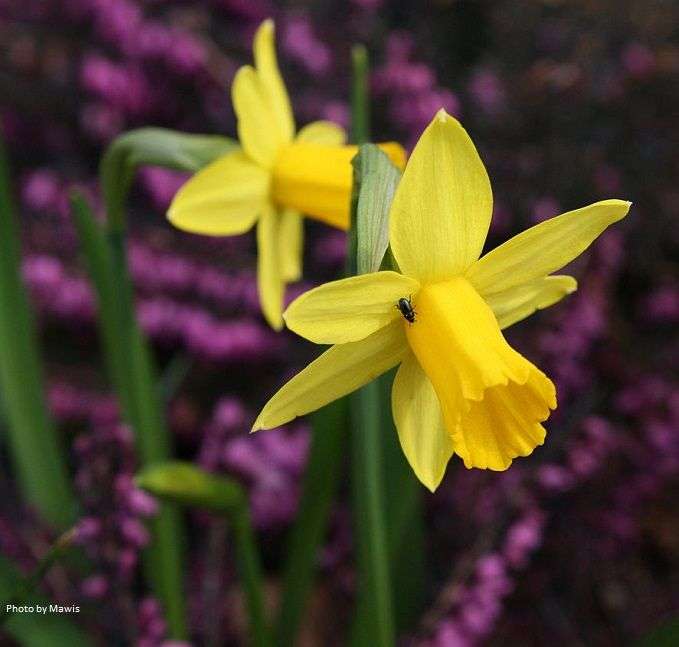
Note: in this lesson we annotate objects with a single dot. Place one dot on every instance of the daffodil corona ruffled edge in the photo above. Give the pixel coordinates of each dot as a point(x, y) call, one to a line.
point(460, 388)
point(274, 177)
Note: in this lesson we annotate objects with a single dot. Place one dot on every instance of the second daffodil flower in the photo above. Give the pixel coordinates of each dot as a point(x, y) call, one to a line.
point(274, 177)
point(460, 388)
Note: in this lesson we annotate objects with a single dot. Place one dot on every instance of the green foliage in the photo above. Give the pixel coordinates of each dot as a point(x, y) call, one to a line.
point(31, 435)
point(185, 484)
point(129, 363)
point(127, 354)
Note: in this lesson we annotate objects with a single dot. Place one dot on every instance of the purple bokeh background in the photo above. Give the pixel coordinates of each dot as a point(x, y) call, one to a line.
point(568, 103)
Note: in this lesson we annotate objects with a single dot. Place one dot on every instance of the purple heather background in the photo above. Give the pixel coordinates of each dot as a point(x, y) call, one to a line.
point(568, 102)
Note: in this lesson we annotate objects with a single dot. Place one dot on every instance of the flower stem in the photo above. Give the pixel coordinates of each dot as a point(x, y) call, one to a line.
point(185, 484)
point(132, 374)
point(373, 623)
point(328, 429)
point(250, 571)
point(318, 491)
point(360, 101)
point(374, 616)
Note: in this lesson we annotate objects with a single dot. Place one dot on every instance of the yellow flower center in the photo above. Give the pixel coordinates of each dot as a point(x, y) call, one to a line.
point(492, 398)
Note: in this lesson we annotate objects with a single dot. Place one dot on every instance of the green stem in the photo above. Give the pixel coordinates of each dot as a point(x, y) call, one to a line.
point(360, 100)
point(318, 492)
point(374, 618)
point(328, 431)
point(250, 574)
point(373, 624)
point(187, 485)
point(34, 445)
point(133, 376)
point(404, 512)
point(144, 412)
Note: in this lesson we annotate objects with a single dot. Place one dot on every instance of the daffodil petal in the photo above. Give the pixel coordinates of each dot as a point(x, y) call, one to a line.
point(349, 309)
point(269, 278)
point(506, 423)
point(338, 371)
point(251, 104)
point(222, 199)
point(441, 211)
point(544, 248)
point(271, 82)
point(521, 301)
point(322, 132)
point(291, 244)
point(315, 179)
point(421, 431)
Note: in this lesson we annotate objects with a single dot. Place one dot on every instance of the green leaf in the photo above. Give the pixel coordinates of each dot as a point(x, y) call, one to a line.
point(37, 630)
point(185, 484)
point(35, 447)
point(378, 179)
point(152, 147)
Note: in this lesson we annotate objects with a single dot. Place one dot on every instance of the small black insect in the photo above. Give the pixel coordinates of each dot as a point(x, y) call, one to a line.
point(405, 307)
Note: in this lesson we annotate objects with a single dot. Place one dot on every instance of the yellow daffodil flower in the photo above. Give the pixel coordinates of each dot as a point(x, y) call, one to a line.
point(460, 387)
point(272, 178)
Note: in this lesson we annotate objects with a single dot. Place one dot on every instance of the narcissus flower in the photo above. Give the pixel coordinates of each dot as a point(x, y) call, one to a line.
point(274, 176)
point(460, 387)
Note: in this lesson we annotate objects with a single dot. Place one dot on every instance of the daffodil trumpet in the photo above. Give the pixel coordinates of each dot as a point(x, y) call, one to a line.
point(460, 387)
point(275, 176)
